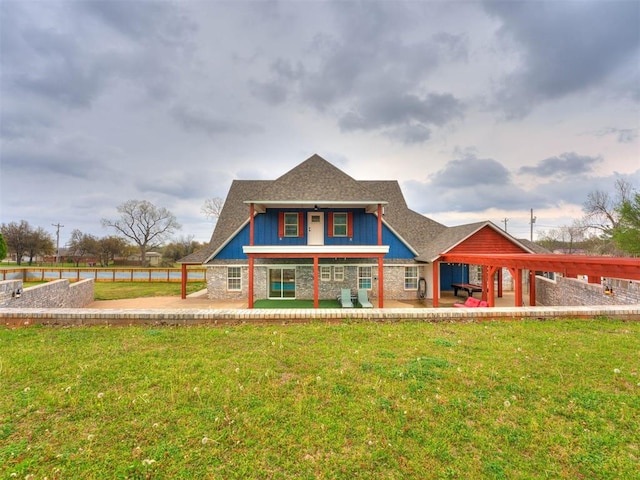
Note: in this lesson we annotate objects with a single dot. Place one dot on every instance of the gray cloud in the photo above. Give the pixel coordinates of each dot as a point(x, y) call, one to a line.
point(200, 120)
point(277, 89)
point(100, 99)
point(147, 22)
point(199, 184)
point(74, 157)
point(568, 164)
point(24, 125)
point(456, 173)
point(566, 47)
point(373, 70)
point(410, 134)
point(389, 108)
point(624, 135)
point(465, 184)
point(76, 62)
point(576, 193)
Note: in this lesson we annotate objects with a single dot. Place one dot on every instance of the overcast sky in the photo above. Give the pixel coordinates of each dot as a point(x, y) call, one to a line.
point(481, 110)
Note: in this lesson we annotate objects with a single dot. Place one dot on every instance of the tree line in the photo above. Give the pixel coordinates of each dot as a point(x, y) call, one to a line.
point(141, 226)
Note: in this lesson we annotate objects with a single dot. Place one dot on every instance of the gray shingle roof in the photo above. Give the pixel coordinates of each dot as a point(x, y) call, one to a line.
point(414, 228)
point(316, 180)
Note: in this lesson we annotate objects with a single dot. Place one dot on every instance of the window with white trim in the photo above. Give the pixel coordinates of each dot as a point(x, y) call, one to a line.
point(338, 273)
point(410, 278)
point(364, 278)
point(234, 278)
point(291, 224)
point(340, 224)
point(325, 273)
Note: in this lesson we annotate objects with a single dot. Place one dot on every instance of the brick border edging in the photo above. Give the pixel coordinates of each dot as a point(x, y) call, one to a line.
point(13, 317)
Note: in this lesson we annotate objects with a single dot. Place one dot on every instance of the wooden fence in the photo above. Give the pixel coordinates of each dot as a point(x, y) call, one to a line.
point(32, 274)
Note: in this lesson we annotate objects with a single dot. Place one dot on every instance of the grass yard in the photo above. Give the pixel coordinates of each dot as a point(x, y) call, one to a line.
point(513, 400)
point(295, 303)
point(123, 290)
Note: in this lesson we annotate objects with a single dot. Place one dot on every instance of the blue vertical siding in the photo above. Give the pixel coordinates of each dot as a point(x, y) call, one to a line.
point(233, 249)
point(365, 232)
point(453, 273)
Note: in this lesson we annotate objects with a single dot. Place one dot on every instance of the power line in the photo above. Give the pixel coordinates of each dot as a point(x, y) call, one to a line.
point(533, 220)
point(58, 227)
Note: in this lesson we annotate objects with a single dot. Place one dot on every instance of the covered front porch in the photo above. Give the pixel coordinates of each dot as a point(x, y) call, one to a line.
point(315, 253)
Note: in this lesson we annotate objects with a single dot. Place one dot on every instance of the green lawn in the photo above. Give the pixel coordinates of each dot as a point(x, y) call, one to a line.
point(294, 303)
point(123, 290)
point(512, 400)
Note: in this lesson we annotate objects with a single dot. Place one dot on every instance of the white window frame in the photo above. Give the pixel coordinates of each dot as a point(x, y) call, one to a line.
point(363, 277)
point(289, 224)
point(410, 280)
point(232, 279)
point(338, 273)
point(345, 224)
point(325, 273)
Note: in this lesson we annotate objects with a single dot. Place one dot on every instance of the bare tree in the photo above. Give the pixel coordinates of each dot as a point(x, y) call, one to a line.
point(212, 208)
point(145, 224)
point(602, 208)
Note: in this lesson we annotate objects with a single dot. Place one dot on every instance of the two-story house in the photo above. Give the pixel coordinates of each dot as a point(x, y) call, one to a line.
point(316, 230)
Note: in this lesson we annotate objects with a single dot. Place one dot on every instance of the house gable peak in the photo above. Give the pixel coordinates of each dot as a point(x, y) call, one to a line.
point(316, 181)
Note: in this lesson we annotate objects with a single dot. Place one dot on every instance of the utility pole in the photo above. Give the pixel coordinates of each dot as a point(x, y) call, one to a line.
point(533, 220)
point(58, 226)
point(505, 223)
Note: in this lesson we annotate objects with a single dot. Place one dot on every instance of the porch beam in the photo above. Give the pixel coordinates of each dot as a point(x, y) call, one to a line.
point(380, 282)
point(316, 282)
point(567, 265)
point(379, 224)
point(532, 288)
point(485, 283)
point(250, 286)
point(251, 228)
point(183, 281)
point(518, 287)
point(435, 281)
point(316, 254)
point(491, 288)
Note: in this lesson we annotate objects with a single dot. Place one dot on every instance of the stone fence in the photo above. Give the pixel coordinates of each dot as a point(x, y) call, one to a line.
point(56, 294)
point(572, 291)
point(67, 317)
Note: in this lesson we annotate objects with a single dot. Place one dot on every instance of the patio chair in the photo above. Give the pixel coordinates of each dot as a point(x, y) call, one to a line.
point(363, 299)
point(345, 298)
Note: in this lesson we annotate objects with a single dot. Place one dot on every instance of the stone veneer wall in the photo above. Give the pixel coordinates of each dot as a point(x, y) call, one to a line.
point(393, 282)
point(572, 292)
point(217, 282)
point(55, 294)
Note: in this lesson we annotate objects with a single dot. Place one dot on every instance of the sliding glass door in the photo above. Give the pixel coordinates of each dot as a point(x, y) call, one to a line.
point(282, 283)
